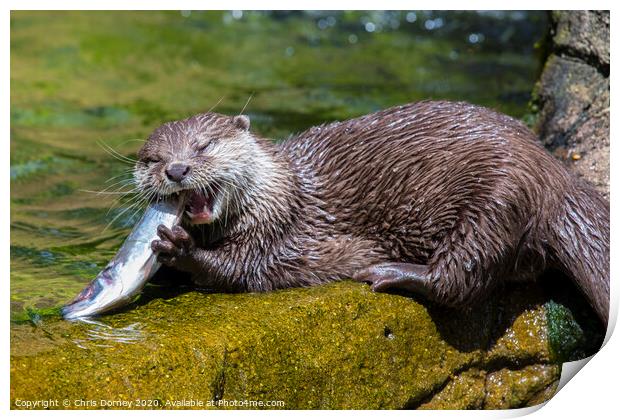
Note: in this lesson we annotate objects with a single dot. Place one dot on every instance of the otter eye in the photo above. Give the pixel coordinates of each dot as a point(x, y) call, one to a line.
point(201, 148)
point(150, 160)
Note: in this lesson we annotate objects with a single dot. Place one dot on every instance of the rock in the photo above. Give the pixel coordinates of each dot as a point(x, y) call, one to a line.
point(571, 98)
point(334, 346)
point(496, 390)
point(584, 35)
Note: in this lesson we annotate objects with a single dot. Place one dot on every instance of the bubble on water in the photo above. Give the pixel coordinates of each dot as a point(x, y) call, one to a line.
point(352, 39)
point(431, 24)
point(327, 22)
point(370, 27)
point(47, 256)
point(475, 38)
point(411, 17)
point(289, 51)
point(237, 14)
point(186, 13)
point(453, 55)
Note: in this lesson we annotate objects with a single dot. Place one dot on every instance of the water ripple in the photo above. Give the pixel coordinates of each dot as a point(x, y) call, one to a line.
point(100, 334)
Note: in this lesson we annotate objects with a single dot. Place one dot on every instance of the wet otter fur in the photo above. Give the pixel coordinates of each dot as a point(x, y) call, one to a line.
point(440, 198)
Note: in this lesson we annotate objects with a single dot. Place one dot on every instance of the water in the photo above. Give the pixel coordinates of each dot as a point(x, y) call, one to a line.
point(82, 78)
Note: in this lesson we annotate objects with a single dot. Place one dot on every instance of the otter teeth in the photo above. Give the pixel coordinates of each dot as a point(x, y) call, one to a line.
point(190, 214)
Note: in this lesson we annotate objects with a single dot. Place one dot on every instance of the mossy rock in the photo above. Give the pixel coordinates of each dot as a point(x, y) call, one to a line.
point(335, 346)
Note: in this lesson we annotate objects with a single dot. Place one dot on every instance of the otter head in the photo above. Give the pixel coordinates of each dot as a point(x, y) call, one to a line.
point(212, 157)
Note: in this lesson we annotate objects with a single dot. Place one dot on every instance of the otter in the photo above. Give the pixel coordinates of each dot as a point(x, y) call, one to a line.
point(443, 199)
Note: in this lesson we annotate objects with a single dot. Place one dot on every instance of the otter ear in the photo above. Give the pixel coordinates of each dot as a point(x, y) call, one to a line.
point(242, 122)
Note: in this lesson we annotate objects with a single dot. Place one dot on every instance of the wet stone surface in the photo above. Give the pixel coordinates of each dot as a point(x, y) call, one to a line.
point(334, 346)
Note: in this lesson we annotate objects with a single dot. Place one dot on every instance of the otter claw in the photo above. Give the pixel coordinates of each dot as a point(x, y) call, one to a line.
point(387, 276)
point(173, 245)
point(377, 280)
point(177, 235)
point(163, 247)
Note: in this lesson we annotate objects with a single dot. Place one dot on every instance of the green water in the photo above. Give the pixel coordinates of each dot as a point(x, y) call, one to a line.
point(80, 79)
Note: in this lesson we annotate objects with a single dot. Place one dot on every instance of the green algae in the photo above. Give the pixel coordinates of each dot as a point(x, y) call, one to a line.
point(334, 346)
point(465, 391)
point(508, 388)
point(573, 330)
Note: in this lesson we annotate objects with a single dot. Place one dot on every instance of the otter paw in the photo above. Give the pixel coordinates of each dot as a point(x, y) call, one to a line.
point(387, 276)
point(173, 246)
point(379, 277)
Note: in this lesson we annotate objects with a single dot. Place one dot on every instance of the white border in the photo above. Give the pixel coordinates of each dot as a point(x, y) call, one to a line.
point(305, 5)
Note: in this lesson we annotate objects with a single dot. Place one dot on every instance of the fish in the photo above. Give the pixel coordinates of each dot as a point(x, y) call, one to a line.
point(134, 264)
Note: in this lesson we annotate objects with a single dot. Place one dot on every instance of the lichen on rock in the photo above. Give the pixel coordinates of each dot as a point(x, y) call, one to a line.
point(333, 346)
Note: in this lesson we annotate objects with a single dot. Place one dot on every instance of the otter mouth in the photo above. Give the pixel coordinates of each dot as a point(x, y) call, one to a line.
point(199, 207)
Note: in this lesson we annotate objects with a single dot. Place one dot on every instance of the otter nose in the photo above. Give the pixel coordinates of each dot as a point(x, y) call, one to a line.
point(177, 171)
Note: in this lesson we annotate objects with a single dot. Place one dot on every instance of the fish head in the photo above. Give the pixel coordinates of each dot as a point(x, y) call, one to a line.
point(101, 295)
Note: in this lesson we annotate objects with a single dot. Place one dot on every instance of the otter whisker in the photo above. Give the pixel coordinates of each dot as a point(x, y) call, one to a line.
point(131, 140)
point(216, 104)
point(247, 103)
point(104, 192)
point(146, 200)
point(110, 192)
point(119, 184)
point(116, 154)
point(139, 200)
point(134, 202)
point(231, 191)
point(125, 172)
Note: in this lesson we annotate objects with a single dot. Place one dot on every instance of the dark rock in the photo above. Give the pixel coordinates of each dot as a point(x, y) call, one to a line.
point(583, 34)
point(571, 98)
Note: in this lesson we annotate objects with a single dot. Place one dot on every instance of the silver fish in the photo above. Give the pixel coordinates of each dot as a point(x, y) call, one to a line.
point(133, 265)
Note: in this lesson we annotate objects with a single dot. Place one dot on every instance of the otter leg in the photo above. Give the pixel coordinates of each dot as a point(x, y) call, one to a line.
point(386, 276)
point(464, 268)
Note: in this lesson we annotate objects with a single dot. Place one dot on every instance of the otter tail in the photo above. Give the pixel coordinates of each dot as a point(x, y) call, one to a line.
point(579, 240)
